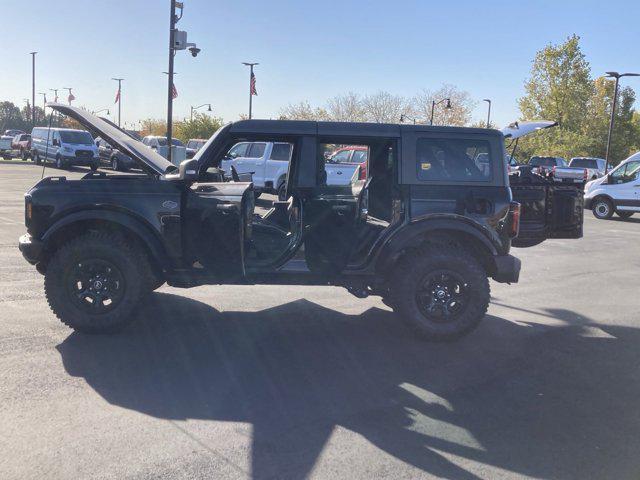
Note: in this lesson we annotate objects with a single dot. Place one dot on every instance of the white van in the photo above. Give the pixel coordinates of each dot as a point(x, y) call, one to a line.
point(617, 192)
point(64, 146)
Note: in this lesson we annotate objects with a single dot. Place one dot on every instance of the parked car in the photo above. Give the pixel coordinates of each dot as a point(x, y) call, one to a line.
point(617, 192)
point(425, 231)
point(112, 157)
point(543, 165)
point(13, 132)
point(347, 164)
point(5, 146)
point(64, 146)
point(193, 145)
point(268, 162)
point(159, 144)
point(21, 144)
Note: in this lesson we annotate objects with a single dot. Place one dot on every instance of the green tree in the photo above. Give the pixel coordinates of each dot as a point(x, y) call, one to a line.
point(559, 88)
point(11, 117)
point(202, 126)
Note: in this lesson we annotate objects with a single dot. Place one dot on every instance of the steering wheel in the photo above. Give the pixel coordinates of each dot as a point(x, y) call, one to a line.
point(234, 174)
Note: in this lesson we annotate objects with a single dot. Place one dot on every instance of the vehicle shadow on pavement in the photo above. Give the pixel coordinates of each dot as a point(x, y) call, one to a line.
point(548, 402)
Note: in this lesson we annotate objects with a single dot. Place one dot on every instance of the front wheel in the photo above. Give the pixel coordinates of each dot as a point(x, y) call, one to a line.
point(441, 291)
point(624, 214)
point(24, 155)
point(59, 162)
point(282, 190)
point(602, 209)
point(95, 282)
point(115, 166)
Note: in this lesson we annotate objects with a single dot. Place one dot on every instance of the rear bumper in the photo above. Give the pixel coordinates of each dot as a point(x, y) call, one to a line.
point(507, 269)
point(30, 248)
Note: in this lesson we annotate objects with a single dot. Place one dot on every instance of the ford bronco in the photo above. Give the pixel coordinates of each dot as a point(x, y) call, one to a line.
point(425, 230)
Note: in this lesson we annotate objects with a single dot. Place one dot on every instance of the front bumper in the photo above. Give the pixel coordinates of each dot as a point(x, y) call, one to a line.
point(73, 160)
point(30, 248)
point(507, 269)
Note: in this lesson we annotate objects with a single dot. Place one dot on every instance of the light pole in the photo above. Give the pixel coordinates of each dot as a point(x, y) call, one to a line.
point(33, 88)
point(95, 112)
point(55, 94)
point(199, 106)
point(44, 99)
point(488, 111)
point(434, 103)
point(617, 76)
point(119, 96)
point(252, 84)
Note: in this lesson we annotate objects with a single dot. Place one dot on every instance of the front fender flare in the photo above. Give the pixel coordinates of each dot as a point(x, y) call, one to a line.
point(150, 238)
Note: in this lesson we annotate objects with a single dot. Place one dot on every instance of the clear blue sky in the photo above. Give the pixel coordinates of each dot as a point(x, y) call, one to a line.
point(308, 50)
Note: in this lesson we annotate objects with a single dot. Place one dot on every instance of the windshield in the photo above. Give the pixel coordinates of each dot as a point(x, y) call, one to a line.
point(584, 163)
point(76, 138)
point(542, 162)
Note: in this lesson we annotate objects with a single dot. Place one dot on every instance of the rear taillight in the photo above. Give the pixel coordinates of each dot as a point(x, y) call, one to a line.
point(585, 175)
point(363, 173)
point(514, 215)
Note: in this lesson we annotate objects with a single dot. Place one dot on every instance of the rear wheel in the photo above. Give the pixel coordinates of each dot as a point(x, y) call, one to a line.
point(624, 214)
point(95, 282)
point(282, 190)
point(442, 292)
point(602, 208)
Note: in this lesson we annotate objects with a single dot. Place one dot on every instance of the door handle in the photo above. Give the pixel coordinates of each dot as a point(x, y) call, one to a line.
point(338, 172)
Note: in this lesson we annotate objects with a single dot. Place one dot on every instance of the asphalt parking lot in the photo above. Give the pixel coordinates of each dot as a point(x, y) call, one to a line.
point(295, 382)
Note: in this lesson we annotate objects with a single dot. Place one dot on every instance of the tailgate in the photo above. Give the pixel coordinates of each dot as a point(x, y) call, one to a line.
point(548, 211)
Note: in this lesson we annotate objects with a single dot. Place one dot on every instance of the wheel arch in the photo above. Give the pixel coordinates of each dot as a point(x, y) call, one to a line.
point(439, 231)
point(121, 223)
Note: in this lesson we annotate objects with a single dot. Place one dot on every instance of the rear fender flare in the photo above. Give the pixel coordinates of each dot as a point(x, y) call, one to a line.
point(418, 232)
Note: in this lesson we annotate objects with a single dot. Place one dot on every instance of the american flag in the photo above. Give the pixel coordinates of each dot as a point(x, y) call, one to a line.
point(71, 97)
point(253, 84)
point(117, 96)
point(174, 91)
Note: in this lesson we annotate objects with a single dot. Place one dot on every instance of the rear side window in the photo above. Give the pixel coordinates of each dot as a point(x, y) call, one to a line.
point(256, 150)
point(584, 163)
point(453, 160)
point(281, 151)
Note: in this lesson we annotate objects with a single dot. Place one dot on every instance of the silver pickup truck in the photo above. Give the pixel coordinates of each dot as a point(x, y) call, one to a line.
point(580, 170)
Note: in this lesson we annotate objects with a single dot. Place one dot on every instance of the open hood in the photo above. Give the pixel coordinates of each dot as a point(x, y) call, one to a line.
point(147, 158)
point(520, 129)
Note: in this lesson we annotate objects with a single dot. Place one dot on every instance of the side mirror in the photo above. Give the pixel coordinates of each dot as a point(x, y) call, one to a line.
point(188, 170)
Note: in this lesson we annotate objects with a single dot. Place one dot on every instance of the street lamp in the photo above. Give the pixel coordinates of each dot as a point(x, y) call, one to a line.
point(33, 88)
point(488, 112)
point(617, 76)
point(200, 106)
point(252, 83)
point(55, 94)
point(434, 103)
point(70, 97)
point(119, 96)
point(102, 110)
point(404, 117)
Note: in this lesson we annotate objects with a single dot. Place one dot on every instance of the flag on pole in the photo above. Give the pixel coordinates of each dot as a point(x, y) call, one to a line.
point(174, 91)
point(71, 96)
point(253, 84)
point(117, 96)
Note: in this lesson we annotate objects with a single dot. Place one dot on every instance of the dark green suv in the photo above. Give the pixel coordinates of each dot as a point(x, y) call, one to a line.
point(433, 220)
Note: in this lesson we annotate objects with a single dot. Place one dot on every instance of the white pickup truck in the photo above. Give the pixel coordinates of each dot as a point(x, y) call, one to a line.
point(580, 170)
point(268, 162)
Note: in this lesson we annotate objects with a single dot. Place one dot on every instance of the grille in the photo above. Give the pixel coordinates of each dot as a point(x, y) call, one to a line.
point(84, 153)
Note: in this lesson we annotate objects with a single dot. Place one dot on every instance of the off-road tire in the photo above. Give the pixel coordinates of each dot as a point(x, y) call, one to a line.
point(624, 214)
point(104, 247)
point(602, 208)
point(411, 272)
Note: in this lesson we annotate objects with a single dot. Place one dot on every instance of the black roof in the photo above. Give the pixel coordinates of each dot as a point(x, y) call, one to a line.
point(352, 129)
